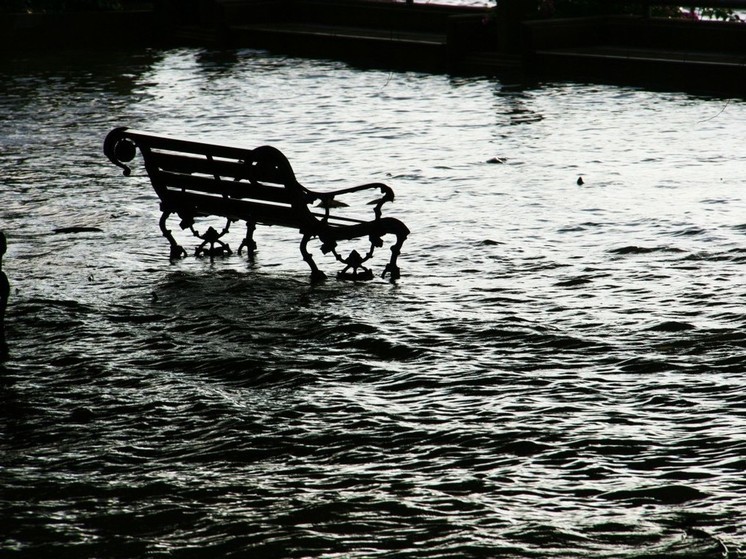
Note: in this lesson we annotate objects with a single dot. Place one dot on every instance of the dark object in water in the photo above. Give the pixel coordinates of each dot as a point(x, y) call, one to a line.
point(4, 293)
point(666, 494)
point(81, 415)
point(78, 229)
point(580, 181)
point(257, 186)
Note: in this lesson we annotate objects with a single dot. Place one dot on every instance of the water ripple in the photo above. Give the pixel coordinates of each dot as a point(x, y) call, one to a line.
point(559, 371)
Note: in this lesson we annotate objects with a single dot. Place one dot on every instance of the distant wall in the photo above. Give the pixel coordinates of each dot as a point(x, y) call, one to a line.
point(95, 29)
point(635, 31)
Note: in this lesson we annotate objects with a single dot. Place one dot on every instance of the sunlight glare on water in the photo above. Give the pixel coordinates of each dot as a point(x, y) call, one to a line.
point(558, 373)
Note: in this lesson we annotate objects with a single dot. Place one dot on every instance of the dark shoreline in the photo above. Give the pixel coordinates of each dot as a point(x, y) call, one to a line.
point(21, 33)
point(698, 56)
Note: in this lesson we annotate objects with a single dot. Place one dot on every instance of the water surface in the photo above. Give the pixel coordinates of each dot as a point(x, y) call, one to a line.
point(558, 373)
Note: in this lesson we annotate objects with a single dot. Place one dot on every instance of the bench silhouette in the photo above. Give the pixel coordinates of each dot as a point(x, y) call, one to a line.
point(257, 186)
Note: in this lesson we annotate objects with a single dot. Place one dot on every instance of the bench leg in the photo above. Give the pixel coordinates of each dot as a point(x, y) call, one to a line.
point(391, 268)
point(248, 241)
point(176, 250)
point(212, 237)
point(316, 274)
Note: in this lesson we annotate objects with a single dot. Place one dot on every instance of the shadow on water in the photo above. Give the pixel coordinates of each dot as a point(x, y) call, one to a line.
point(239, 329)
point(72, 71)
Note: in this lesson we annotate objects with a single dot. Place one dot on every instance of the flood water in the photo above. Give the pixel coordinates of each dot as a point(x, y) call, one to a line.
point(559, 372)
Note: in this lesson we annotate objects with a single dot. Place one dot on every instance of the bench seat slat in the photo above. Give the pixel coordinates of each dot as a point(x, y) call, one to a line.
point(167, 143)
point(267, 214)
point(197, 163)
point(232, 189)
point(191, 203)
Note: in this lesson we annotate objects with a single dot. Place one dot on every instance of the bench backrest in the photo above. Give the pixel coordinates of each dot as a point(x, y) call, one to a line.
point(195, 178)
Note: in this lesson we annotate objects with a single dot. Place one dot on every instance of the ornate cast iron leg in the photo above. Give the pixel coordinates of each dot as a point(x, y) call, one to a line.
point(316, 274)
point(212, 237)
point(354, 269)
point(355, 263)
point(176, 250)
point(391, 268)
point(248, 241)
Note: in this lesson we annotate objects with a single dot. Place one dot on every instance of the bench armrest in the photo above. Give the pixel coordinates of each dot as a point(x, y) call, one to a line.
point(327, 199)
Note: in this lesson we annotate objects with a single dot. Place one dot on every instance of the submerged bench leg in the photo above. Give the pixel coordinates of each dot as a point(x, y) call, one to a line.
point(177, 250)
point(212, 238)
point(316, 274)
point(391, 268)
point(248, 241)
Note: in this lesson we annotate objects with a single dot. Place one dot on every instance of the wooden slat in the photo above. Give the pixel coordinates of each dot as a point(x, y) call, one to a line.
point(221, 167)
point(248, 210)
point(187, 146)
point(231, 188)
point(198, 163)
point(251, 210)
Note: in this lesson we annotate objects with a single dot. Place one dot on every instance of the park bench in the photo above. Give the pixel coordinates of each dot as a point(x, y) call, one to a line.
point(195, 180)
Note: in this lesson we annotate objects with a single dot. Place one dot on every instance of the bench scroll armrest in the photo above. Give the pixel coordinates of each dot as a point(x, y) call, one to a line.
point(120, 149)
point(327, 199)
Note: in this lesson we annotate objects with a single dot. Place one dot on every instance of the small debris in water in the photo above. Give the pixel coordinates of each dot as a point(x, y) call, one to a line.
point(62, 230)
point(81, 415)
